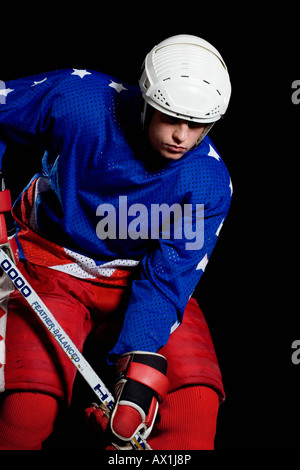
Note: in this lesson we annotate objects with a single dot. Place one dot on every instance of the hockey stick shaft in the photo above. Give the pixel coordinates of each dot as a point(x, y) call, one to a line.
point(62, 339)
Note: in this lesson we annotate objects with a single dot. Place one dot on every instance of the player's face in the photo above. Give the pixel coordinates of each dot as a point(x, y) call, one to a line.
point(173, 137)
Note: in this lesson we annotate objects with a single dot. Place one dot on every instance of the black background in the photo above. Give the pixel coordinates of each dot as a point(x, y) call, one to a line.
point(249, 291)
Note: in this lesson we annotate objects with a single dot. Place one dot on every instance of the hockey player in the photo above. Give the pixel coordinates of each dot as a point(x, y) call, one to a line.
point(114, 235)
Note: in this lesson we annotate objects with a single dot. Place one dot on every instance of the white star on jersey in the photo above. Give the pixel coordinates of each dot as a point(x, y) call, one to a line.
point(80, 73)
point(38, 83)
point(5, 91)
point(231, 188)
point(117, 86)
point(202, 264)
point(213, 153)
point(220, 226)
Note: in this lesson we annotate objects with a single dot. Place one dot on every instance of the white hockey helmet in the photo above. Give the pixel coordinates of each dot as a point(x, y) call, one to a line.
point(185, 76)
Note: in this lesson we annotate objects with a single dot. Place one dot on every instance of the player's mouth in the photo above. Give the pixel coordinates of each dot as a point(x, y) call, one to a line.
point(175, 148)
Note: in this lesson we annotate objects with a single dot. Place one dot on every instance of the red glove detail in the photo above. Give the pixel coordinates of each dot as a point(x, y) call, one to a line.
point(5, 200)
point(126, 421)
point(141, 385)
point(150, 377)
point(97, 417)
point(7, 227)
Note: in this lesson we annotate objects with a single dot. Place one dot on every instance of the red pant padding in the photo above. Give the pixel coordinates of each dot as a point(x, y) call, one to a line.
point(26, 420)
point(186, 420)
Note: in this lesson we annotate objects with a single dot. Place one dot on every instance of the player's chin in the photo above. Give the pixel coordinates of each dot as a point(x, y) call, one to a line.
point(172, 155)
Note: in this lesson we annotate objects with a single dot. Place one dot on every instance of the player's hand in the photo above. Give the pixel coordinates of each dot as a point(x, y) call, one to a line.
point(141, 385)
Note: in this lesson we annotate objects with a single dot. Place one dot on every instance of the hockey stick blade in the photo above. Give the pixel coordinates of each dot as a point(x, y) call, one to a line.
point(63, 340)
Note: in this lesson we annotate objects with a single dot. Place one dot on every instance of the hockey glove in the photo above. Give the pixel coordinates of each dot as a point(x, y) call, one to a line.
point(7, 227)
point(141, 385)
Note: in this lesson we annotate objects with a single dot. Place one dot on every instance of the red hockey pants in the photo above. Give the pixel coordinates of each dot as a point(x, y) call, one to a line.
point(37, 372)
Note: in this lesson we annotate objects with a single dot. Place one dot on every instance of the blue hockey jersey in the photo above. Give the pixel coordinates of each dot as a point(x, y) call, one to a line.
point(106, 204)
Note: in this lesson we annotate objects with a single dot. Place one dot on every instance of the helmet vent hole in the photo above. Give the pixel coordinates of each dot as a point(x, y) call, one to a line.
point(213, 111)
point(160, 97)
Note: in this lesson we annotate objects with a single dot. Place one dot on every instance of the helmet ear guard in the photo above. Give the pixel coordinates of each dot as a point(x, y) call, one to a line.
point(185, 76)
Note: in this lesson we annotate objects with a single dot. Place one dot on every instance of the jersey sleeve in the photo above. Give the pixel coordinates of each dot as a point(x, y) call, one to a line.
point(24, 109)
point(172, 270)
point(36, 110)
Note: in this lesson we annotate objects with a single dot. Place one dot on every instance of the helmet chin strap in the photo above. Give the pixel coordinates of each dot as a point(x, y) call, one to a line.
point(204, 133)
point(143, 113)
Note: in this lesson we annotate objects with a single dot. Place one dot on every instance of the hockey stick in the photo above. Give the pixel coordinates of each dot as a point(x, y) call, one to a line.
point(67, 345)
